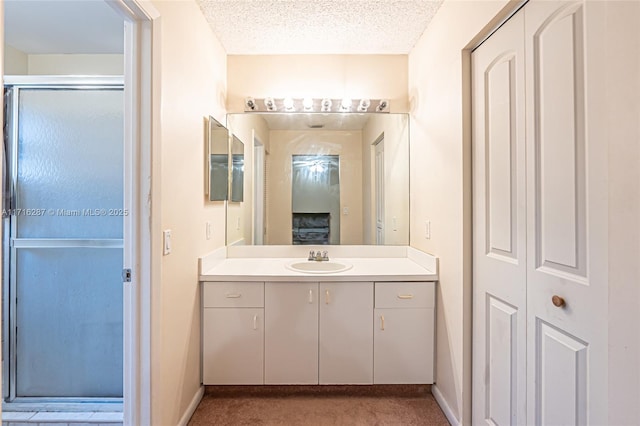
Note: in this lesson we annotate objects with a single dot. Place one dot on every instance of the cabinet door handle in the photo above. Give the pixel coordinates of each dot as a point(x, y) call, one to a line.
point(310, 295)
point(382, 322)
point(233, 295)
point(326, 297)
point(255, 322)
point(405, 296)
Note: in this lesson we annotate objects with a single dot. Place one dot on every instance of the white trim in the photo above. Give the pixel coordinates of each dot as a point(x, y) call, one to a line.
point(48, 81)
point(444, 406)
point(142, 112)
point(192, 407)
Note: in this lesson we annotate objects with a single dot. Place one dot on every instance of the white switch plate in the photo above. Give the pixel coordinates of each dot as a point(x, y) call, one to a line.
point(345, 211)
point(166, 241)
point(427, 229)
point(208, 230)
point(395, 223)
point(238, 223)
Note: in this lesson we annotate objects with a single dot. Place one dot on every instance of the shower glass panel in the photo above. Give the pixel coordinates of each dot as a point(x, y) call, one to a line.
point(316, 189)
point(66, 230)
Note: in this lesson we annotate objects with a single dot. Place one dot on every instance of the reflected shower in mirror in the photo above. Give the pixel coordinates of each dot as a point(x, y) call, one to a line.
point(237, 169)
point(304, 171)
point(217, 161)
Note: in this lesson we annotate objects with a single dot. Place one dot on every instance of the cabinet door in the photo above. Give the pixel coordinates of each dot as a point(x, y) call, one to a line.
point(232, 345)
point(346, 333)
point(403, 346)
point(291, 333)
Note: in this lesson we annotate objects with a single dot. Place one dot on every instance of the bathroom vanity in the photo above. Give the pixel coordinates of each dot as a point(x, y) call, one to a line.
point(264, 322)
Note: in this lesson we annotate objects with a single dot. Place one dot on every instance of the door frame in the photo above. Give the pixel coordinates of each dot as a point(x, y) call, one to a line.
point(258, 190)
point(9, 346)
point(142, 133)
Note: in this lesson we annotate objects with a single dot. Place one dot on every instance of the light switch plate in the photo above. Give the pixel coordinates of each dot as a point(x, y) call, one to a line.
point(166, 241)
point(208, 230)
point(427, 229)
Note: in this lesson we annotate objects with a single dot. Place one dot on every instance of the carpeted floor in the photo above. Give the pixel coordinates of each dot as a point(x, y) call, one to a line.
point(318, 405)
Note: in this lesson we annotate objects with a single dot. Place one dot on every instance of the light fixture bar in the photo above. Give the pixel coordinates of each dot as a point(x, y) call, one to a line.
point(326, 105)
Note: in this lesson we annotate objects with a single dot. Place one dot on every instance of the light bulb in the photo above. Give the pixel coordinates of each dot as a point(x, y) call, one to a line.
point(288, 104)
point(270, 104)
point(364, 105)
point(307, 103)
point(346, 104)
point(326, 105)
point(382, 105)
point(250, 103)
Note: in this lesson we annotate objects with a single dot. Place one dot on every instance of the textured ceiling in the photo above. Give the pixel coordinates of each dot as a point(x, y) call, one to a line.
point(256, 27)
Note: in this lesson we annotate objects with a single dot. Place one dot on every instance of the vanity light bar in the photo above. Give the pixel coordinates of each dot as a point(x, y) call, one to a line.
point(315, 105)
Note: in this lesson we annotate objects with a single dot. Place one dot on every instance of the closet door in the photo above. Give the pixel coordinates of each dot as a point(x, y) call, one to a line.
point(499, 228)
point(567, 214)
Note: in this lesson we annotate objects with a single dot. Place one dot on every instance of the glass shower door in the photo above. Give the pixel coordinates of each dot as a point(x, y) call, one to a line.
point(66, 230)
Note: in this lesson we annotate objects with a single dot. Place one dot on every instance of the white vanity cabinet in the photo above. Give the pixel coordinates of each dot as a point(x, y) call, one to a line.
point(291, 333)
point(232, 333)
point(346, 333)
point(328, 332)
point(404, 333)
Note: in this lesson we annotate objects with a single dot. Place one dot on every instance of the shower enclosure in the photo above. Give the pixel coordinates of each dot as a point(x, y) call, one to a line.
point(63, 240)
point(315, 197)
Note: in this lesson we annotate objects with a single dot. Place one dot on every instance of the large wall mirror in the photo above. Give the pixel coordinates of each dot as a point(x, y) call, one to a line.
point(314, 178)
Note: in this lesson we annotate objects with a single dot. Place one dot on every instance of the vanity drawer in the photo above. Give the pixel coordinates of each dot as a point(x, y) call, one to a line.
point(233, 295)
point(405, 295)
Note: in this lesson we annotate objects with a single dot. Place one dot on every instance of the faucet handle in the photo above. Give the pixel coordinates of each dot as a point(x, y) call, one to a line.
point(312, 255)
point(325, 255)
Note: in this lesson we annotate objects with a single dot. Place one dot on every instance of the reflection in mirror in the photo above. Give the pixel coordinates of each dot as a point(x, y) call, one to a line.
point(365, 197)
point(218, 161)
point(237, 169)
point(315, 196)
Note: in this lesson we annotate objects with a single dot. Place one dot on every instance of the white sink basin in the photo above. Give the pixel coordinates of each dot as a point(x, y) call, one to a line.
point(313, 267)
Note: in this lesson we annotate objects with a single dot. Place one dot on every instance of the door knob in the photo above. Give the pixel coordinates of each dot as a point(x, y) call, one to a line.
point(558, 301)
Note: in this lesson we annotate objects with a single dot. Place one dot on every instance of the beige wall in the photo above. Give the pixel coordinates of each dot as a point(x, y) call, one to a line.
point(396, 169)
point(333, 76)
point(192, 87)
point(16, 62)
point(20, 63)
point(247, 128)
point(284, 144)
point(440, 183)
point(76, 64)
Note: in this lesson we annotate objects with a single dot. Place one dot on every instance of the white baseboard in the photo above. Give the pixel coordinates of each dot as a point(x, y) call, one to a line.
point(192, 407)
point(444, 406)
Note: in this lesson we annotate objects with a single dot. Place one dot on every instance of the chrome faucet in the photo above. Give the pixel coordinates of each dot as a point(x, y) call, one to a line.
point(319, 256)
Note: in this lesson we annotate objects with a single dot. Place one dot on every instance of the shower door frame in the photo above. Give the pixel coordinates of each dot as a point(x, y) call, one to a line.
point(9, 346)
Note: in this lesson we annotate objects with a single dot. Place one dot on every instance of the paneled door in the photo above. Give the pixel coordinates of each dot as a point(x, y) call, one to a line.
point(567, 214)
point(499, 228)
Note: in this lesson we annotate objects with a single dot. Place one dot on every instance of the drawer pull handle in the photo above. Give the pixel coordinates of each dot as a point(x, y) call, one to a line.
point(233, 295)
point(405, 296)
point(310, 296)
point(326, 297)
point(255, 322)
point(382, 322)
